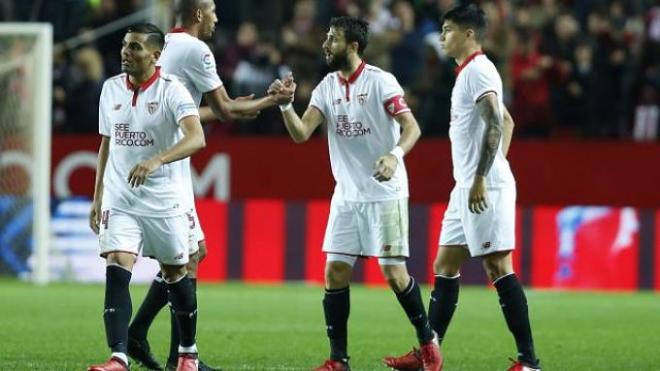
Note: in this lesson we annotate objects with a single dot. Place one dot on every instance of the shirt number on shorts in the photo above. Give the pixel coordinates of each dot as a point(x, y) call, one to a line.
point(191, 219)
point(105, 215)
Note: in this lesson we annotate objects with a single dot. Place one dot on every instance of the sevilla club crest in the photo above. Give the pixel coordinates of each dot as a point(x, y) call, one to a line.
point(152, 107)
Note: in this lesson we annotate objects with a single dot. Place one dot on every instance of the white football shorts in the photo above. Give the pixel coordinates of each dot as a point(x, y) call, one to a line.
point(492, 230)
point(167, 240)
point(378, 229)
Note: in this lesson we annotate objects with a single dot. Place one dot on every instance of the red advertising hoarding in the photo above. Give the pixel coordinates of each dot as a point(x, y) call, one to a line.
point(569, 248)
point(547, 173)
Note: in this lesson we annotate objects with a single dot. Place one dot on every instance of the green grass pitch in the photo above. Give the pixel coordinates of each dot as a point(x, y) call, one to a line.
point(280, 327)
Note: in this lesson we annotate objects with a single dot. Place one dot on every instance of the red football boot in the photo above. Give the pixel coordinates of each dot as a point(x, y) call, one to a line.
point(187, 362)
point(407, 362)
point(113, 364)
point(332, 365)
point(431, 357)
point(519, 366)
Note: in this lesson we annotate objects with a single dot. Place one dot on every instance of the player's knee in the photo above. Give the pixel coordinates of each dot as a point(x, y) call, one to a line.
point(193, 264)
point(398, 284)
point(496, 267)
point(397, 276)
point(121, 259)
point(445, 268)
point(202, 252)
point(173, 273)
point(337, 275)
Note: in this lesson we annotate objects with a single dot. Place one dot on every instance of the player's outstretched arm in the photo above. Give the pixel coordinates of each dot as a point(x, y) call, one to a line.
point(95, 213)
point(410, 133)
point(225, 108)
point(507, 134)
point(193, 140)
point(206, 113)
point(300, 129)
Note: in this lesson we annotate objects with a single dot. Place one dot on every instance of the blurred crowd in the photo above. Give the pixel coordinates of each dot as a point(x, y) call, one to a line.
point(571, 68)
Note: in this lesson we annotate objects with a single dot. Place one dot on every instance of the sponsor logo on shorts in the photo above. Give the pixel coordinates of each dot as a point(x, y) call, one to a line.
point(117, 107)
point(179, 256)
point(485, 245)
point(387, 248)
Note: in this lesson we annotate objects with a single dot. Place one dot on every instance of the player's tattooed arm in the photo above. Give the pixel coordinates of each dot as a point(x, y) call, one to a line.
point(490, 112)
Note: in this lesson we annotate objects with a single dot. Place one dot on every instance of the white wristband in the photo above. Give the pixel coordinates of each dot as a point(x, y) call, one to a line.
point(397, 152)
point(286, 107)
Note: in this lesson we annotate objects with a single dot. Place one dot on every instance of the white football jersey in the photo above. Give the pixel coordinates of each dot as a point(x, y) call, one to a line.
point(359, 113)
point(141, 122)
point(193, 63)
point(476, 76)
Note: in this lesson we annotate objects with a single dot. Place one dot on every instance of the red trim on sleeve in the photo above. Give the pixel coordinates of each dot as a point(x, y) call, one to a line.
point(396, 105)
point(144, 86)
point(351, 79)
point(468, 60)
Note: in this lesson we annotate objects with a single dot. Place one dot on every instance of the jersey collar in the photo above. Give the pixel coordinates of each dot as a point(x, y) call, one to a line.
point(354, 76)
point(178, 30)
point(466, 61)
point(145, 84)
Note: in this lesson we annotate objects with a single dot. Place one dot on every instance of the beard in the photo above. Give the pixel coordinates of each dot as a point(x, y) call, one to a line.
point(338, 61)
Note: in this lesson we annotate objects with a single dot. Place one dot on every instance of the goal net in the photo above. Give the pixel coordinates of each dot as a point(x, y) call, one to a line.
point(25, 135)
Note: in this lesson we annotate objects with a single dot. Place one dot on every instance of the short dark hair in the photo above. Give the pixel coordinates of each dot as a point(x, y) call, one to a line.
point(185, 9)
point(155, 37)
point(355, 30)
point(468, 16)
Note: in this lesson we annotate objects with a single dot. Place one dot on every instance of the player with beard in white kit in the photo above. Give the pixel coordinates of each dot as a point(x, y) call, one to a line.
point(370, 129)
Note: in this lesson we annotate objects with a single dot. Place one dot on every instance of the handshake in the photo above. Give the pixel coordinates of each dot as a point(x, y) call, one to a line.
point(283, 91)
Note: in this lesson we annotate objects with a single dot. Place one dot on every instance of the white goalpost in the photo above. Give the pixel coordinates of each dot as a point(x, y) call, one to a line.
point(26, 64)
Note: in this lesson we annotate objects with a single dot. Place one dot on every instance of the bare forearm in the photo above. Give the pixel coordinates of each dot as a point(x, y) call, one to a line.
point(506, 138)
point(102, 160)
point(409, 136)
point(507, 134)
point(237, 109)
point(492, 136)
point(185, 147)
point(206, 114)
point(295, 126)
